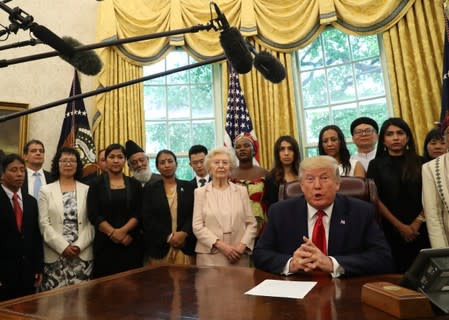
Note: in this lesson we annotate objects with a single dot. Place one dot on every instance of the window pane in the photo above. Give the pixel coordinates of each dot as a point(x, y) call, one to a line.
point(315, 120)
point(184, 170)
point(341, 84)
point(203, 132)
point(364, 47)
point(374, 109)
point(201, 75)
point(154, 102)
point(202, 101)
point(178, 102)
point(153, 69)
point(156, 136)
point(336, 47)
point(311, 152)
point(174, 60)
point(179, 135)
point(370, 82)
point(349, 84)
point(312, 56)
point(343, 116)
point(314, 88)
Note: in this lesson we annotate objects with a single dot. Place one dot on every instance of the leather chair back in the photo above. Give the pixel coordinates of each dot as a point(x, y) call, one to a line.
point(361, 188)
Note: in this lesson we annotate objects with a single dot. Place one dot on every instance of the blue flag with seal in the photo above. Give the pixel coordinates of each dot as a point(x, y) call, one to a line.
point(75, 131)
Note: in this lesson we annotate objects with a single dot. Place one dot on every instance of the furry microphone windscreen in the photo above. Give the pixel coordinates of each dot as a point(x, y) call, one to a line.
point(236, 50)
point(87, 61)
point(269, 66)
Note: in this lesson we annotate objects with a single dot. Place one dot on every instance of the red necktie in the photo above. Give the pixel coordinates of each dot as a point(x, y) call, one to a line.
point(319, 234)
point(18, 211)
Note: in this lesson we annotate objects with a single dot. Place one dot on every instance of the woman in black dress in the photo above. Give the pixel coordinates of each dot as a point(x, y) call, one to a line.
point(114, 204)
point(286, 167)
point(396, 169)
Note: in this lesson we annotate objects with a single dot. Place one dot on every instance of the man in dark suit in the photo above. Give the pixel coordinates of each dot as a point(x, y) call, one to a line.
point(35, 175)
point(21, 252)
point(197, 156)
point(347, 238)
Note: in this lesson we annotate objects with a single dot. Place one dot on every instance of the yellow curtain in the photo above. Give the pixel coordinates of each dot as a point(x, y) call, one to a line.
point(414, 51)
point(279, 26)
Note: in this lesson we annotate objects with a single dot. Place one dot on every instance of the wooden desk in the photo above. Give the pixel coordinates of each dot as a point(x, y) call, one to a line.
point(176, 292)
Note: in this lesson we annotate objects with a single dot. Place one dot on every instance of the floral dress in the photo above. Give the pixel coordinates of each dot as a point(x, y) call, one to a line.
point(66, 271)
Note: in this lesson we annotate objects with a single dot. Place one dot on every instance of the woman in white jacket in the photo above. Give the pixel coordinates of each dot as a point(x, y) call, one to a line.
point(67, 233)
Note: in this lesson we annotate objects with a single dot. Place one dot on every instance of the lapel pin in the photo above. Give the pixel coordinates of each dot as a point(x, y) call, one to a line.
point(342, 221)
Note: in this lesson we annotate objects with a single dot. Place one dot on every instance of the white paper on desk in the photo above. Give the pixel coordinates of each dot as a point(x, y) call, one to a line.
point(282, 289)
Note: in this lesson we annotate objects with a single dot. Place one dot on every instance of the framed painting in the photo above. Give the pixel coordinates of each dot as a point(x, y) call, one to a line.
point(13, 133)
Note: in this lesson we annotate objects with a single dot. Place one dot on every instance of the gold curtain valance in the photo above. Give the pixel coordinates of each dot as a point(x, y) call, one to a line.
point(282, 25)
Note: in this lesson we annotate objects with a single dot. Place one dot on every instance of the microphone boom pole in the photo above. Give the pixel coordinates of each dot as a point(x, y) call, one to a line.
point(110, 88)
point(4, 63)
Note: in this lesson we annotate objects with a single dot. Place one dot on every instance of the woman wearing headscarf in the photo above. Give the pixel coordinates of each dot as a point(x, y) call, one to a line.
point(249, 175)
point(223, 221)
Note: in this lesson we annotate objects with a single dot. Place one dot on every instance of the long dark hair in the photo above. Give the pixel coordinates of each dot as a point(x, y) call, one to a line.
point(411, 171)
point(55, 172)
point(434, 134)
point(343, 151)
point(278, 171)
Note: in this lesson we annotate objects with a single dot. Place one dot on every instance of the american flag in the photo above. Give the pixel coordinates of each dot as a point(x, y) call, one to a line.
point(75, 131)
point(237, 115)
point(445, 88)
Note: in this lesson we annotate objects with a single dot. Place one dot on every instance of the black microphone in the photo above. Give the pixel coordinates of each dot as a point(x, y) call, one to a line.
point(270, 67)
point(233, 44)
point(48, 37)
point(85, 61)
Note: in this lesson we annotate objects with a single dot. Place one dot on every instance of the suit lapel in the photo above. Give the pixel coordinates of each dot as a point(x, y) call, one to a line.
point(10, 216)
point(56, 195)
point(337, 226)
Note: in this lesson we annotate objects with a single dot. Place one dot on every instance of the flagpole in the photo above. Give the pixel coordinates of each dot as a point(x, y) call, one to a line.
point(110, 88)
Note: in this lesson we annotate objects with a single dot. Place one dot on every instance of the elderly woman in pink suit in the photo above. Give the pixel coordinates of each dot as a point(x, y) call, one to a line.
point(223, 221)
point(68, 235)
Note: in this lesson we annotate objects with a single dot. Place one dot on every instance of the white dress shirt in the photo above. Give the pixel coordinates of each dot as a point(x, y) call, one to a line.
point(31, 179)
point(311, 219)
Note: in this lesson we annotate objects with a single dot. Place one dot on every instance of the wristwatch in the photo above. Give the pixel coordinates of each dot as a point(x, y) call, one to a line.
point(421, 218)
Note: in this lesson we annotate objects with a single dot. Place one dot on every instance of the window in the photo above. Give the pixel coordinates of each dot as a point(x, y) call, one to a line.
point(181, 109)
point(340, 78)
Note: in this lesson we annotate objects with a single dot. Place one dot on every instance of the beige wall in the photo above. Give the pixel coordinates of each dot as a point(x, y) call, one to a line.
point(47, 80)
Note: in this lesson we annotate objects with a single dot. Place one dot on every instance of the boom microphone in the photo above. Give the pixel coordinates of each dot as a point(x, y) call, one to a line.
point(85, 61)
point(270, 67)
point(48, 37)
point(233, 44)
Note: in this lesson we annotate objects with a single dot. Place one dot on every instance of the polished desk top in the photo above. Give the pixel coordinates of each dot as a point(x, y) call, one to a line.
point(177, 292)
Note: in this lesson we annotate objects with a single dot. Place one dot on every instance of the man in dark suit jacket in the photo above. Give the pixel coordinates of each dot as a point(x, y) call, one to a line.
point(355, 244)
point(34, 155)
point(21, 252)
point(197, 156)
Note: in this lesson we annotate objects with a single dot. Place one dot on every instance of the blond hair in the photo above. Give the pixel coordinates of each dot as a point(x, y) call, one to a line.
point(217, 151)
point(320, 162)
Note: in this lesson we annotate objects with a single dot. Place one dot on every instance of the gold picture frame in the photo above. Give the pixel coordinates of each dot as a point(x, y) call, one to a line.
point(13, 133)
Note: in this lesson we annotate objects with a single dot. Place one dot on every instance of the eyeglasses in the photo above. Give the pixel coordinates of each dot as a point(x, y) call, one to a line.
point(367, 131)
point(67, 162)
